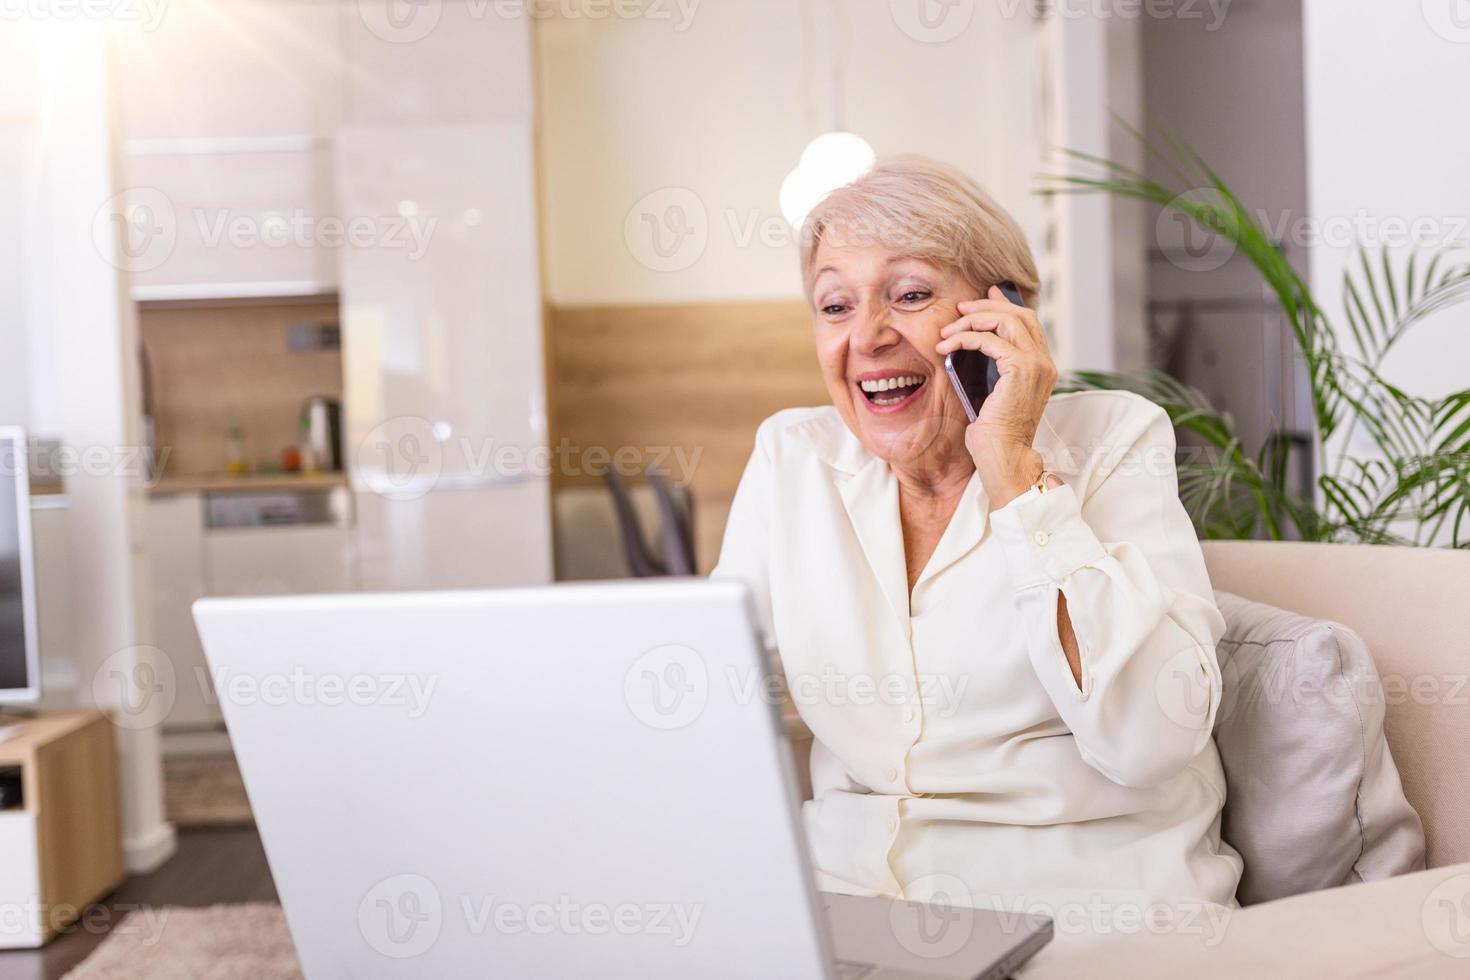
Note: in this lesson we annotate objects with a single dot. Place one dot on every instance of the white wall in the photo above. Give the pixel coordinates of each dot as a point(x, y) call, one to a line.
point(1094, 277)
point(17, 179)
point(723, 109)
point(76, 326)
point(1388, 93)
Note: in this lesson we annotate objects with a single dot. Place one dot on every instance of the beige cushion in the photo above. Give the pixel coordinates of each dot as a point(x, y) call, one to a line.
point(1313, 799)
point(1410, 607)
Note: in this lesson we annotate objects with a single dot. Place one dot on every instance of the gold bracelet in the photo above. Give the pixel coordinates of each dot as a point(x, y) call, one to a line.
point(1044, 481)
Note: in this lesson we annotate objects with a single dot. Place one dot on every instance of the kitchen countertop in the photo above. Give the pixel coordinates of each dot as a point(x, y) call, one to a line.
point(248, 483)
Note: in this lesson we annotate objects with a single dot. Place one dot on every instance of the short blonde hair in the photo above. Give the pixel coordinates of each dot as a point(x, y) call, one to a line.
point(925, 209)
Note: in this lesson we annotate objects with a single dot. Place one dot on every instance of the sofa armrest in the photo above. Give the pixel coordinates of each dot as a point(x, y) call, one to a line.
point(1415, 925)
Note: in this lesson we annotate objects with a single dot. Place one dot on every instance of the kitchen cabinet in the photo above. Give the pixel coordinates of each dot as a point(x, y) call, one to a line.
point(488, 537)
point(236, 223)
point(188, 560)
point(443, 378)
point(279, 560)
point(173, 528)
point(226, 113)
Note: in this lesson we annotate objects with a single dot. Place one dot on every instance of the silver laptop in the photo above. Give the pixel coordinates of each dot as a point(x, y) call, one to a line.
point(574, 781)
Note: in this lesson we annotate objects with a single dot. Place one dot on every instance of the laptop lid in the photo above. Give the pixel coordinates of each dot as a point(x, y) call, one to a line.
point(582, 780)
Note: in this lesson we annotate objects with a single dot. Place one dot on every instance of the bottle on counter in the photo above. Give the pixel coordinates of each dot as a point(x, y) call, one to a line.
point(309, 462)
point(235, 449)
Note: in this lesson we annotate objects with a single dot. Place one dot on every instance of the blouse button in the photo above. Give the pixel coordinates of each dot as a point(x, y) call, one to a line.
point(892, 775)
point(908, 714)
point(1041, 538)
point(893, 825)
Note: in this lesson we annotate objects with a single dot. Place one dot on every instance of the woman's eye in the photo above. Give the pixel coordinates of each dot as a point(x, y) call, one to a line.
point(914, 296)
point(833, 309)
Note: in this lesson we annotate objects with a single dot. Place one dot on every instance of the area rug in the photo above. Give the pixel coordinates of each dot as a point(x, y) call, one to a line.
point(222, 942)
point(205, 791)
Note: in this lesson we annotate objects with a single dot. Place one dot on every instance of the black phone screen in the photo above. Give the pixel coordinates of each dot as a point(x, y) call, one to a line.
point(970, 370)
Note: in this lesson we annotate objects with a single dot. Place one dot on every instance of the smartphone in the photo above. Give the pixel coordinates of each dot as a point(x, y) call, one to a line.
point(973, 373)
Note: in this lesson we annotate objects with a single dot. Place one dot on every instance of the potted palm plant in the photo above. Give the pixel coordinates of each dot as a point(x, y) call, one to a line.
point(1410, 485)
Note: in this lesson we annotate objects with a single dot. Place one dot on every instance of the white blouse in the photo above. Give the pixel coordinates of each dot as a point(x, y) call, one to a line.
point(955, 756)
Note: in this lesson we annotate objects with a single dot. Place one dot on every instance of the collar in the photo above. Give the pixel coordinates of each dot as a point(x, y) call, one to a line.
point(834, 444)
point(869, 492)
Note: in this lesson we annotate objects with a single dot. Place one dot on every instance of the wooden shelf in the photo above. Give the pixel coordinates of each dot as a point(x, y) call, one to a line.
point(62, 848)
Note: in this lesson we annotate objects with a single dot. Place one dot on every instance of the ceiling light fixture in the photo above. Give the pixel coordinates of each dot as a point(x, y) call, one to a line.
point(834, 158)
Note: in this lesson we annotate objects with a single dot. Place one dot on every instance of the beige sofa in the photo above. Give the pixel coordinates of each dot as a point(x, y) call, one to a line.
point(1412, 607)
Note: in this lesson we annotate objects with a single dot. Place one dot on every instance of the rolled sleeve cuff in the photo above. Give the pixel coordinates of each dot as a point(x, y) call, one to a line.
point(1044, 537)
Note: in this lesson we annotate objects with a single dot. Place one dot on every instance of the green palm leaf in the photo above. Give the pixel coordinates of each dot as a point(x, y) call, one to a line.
point(1414, 484)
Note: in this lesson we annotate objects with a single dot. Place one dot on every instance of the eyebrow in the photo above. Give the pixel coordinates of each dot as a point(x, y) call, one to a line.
point(892, 260)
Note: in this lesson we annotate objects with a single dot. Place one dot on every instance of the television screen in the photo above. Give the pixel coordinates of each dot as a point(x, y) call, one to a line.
point(18, 666)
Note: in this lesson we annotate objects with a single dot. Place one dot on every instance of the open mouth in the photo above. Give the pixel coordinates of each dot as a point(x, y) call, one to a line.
point(892, 390)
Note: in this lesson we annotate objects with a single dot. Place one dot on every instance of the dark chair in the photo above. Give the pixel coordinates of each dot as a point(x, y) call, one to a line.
point(676, 527)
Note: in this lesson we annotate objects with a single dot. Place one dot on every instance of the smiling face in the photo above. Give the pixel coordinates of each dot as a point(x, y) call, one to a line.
point(877, 316)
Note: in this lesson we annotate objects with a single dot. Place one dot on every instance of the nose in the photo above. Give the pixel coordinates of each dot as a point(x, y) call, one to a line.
point(873, 330)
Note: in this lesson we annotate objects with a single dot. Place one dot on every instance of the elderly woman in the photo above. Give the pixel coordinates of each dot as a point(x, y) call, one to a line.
point(1000, 634)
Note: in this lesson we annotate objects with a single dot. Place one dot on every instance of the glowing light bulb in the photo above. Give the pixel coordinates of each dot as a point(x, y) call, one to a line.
point(828, 162)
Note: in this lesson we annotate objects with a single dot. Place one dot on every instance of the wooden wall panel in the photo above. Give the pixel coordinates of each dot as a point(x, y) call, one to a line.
point(699, 378)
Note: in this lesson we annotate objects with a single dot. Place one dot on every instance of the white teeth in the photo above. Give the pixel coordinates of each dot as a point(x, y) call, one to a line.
point(888, 384)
